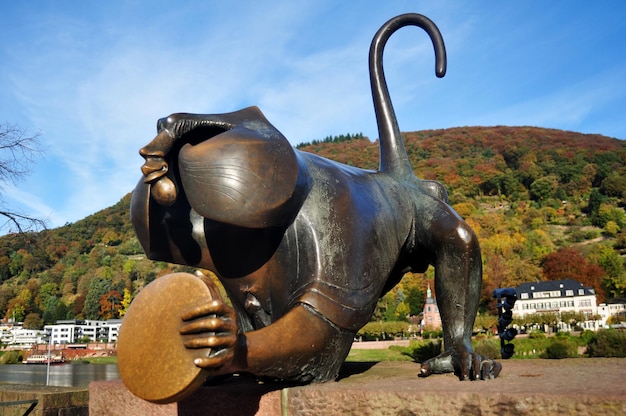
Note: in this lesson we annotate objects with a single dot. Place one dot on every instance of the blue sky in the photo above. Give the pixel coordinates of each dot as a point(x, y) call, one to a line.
point(94, 76)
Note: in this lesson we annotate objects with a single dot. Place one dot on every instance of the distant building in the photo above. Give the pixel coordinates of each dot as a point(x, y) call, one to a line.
point(16, 336)
point(70, 331)
point(616, 308)
point(431, 318)
point(63, 332)
point(557, 296)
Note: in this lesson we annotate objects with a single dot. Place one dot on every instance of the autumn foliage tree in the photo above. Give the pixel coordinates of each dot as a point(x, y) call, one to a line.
point(568, 263)
point(110, 304)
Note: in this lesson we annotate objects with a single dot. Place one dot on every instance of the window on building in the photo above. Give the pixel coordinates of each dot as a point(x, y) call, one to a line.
point(524, 295)
point(569, 292)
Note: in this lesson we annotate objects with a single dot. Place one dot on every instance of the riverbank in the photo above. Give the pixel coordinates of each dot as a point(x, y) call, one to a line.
point(92, 353)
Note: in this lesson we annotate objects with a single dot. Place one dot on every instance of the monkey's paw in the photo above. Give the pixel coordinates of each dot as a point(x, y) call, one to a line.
point(466, 366)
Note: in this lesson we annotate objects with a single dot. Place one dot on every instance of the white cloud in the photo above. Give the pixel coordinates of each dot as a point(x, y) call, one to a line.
point(26, 203)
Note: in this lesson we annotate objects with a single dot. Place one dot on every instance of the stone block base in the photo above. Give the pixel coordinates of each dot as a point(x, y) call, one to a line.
point(582, 386)
point(16, 399)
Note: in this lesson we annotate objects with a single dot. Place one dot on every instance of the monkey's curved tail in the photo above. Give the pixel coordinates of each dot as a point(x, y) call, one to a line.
point(393, 156)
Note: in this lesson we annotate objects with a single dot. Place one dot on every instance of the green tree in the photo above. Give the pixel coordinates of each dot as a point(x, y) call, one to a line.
point(402, 312)
point(62, 312)
point(614, 185)
point(611, 228)
point(46, 291)
point(593, 205)
point(542, 188)
point(415, 300)
point(50, 310)
point(390, 310)
point(17, 313)
point(606, 213)
point(97, 288)
point(485, 322)
point(610, 260)
point(16, 264)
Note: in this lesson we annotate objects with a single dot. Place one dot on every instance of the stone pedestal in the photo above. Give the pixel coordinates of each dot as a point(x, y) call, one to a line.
point(17, 399)
point(547, 387)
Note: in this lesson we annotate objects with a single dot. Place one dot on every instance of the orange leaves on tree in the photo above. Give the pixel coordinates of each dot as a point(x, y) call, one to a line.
point(110, 304)
point(569, 263)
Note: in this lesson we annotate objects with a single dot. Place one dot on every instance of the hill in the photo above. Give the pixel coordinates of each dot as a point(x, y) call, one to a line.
point(537, 198)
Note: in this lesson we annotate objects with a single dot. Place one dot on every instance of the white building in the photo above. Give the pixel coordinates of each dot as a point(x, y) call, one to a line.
point(70, 331)
point(63, 332)
point(557, 296)
point(606, 310)
point(15, 335)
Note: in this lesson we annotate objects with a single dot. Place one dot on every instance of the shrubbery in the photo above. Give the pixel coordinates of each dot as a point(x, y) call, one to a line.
point(421, 351)
point(383, 330)
point(607, 343)
point(604, 343)
point(12, 357)
point(432, 334)
point(561, 347)
point(488, 348)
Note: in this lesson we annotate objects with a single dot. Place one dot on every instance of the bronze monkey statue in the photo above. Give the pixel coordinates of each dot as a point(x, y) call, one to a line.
point(303, 246)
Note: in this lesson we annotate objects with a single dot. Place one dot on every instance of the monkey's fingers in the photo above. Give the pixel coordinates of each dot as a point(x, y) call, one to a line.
point(212, 324)
point(217, 342)
point(215, 307)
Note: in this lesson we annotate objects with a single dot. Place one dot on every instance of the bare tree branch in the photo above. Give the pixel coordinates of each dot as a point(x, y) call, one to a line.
point(21, 223)
point(18, 152)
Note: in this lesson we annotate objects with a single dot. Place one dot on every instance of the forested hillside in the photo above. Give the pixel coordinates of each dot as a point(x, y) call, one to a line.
point(546, 204)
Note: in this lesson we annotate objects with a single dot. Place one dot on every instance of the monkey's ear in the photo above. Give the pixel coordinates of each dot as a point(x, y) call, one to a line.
point(247, 176)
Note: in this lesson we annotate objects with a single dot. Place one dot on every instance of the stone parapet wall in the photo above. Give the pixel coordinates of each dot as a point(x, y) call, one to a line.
point(546, 387)
point(16, 399)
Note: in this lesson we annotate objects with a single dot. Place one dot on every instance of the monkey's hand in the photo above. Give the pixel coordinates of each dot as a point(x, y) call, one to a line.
point(465, 365)
point(214, 326)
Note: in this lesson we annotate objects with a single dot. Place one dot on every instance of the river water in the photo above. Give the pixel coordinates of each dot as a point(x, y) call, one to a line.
point(67, 375)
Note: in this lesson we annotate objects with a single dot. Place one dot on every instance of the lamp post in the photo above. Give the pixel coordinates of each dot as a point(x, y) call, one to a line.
point(49, 358)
